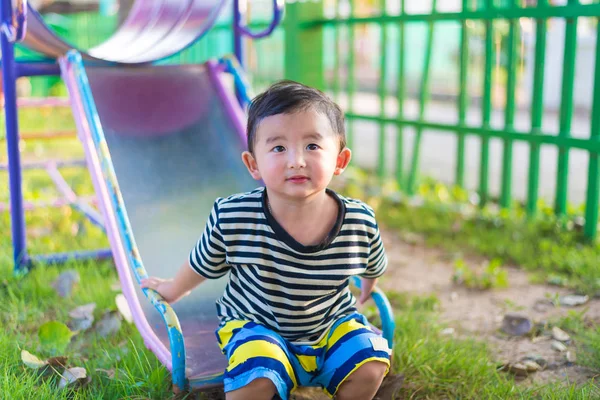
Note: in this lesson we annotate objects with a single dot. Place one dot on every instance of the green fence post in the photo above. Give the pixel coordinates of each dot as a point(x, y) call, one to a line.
point(566, 111)
point(509, 114)
point(463, 97)
point(486, 107)
point(350, 80)
point(412, 178)
point(382, 93)
point(537, 110)
point(304, 47)
point(593, 189)
point(400, 96)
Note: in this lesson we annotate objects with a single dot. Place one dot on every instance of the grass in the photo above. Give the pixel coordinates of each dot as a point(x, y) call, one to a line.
point(435, 365)
point(28, 302)
point(553, 249)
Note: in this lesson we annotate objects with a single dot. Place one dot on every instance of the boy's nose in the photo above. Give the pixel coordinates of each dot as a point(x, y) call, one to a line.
point(296, 159)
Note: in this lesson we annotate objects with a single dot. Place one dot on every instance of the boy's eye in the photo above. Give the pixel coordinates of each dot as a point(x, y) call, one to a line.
point(312, 146)
point(278, 149)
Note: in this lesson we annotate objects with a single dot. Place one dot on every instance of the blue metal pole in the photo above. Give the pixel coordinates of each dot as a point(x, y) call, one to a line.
point(37, 69)
point(61, 258)
point(12, 141)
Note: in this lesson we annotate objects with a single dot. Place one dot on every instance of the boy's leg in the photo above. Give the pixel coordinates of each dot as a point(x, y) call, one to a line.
point(363, 383)
point(356, 360)
point(258, 389)
point(259, 362)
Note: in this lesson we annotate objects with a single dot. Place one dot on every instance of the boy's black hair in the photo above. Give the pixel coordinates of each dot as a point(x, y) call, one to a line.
point(288, 97)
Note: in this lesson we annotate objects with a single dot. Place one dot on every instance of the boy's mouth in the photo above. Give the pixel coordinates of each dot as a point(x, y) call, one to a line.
point(297, 179)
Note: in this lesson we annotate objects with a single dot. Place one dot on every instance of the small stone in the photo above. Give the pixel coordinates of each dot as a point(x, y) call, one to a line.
point(447, 331)
point(539, 360)
point(571, 357)
point(539, 339)
point(559, 346)
point(518, 369)
point(531, 366)
point(573, 300)
point(516, 324)
point(453, 296)
point(413, 238)
point(560, 335)
point(542, 306)
point(109, 324)
point(65, 282)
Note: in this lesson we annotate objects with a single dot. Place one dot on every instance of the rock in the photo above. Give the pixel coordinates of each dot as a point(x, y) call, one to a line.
point(542, 305)
point(516, 324)
point(542, 338)
point(539, 360)
point(447, 331)
point(560, 335)
point(389, 387)
point(532, 366)
point(570, 357)
point(559, 346)
point(65, 282)
point(518, 369)
point(413, 238)
point(109, 324)
point(573, 300)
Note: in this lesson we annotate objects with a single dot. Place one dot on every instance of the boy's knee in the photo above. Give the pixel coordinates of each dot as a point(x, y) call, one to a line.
point(372, 371)
point(263, 385)
point(259, 388)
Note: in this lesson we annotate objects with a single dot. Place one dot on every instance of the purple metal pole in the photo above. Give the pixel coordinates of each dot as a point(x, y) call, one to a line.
point(277, 14)
point(238, 46)
point(12, 140)
point(66, 190)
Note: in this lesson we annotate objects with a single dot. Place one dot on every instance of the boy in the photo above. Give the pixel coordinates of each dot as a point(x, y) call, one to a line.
point(287, 314)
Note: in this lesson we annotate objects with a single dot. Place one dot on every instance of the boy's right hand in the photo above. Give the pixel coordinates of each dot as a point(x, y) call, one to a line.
point(174, 289)
point(165, 287)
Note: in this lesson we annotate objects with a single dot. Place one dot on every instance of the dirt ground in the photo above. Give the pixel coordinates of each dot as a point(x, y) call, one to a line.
point(417, 269)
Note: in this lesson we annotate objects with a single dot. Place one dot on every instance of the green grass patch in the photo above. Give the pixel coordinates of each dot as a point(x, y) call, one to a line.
point(26, 303)
point(41, 120)
point(552, 248)
point(435, 365)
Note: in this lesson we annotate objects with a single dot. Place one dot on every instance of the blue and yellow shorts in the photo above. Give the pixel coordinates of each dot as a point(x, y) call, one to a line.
point(255, 351)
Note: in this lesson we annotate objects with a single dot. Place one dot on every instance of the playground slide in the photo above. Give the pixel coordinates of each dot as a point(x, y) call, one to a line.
point(153, 30)
point(161, 142)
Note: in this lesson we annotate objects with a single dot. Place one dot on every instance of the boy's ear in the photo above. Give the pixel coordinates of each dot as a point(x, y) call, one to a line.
point(250, 163)
point(343, 159)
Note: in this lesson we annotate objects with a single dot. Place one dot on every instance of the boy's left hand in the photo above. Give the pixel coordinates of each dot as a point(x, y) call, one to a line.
point(366, 288)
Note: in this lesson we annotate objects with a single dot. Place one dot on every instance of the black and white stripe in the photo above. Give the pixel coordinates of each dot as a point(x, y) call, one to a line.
point(296, 290)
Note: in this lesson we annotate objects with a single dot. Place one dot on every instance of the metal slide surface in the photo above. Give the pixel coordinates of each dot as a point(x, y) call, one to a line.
point(153, 30)
point(175, 136)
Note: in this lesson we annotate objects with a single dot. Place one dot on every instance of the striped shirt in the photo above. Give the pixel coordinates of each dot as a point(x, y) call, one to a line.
point(298, 291)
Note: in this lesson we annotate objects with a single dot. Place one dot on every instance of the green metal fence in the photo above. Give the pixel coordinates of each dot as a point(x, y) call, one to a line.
point(402, 55)
point(499, 26)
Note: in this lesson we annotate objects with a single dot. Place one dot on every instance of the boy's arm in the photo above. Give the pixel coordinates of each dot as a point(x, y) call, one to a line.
point(366, 288)
point(174, 289)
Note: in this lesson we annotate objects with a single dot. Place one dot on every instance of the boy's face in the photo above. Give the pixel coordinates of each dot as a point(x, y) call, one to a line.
point(296, 155)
